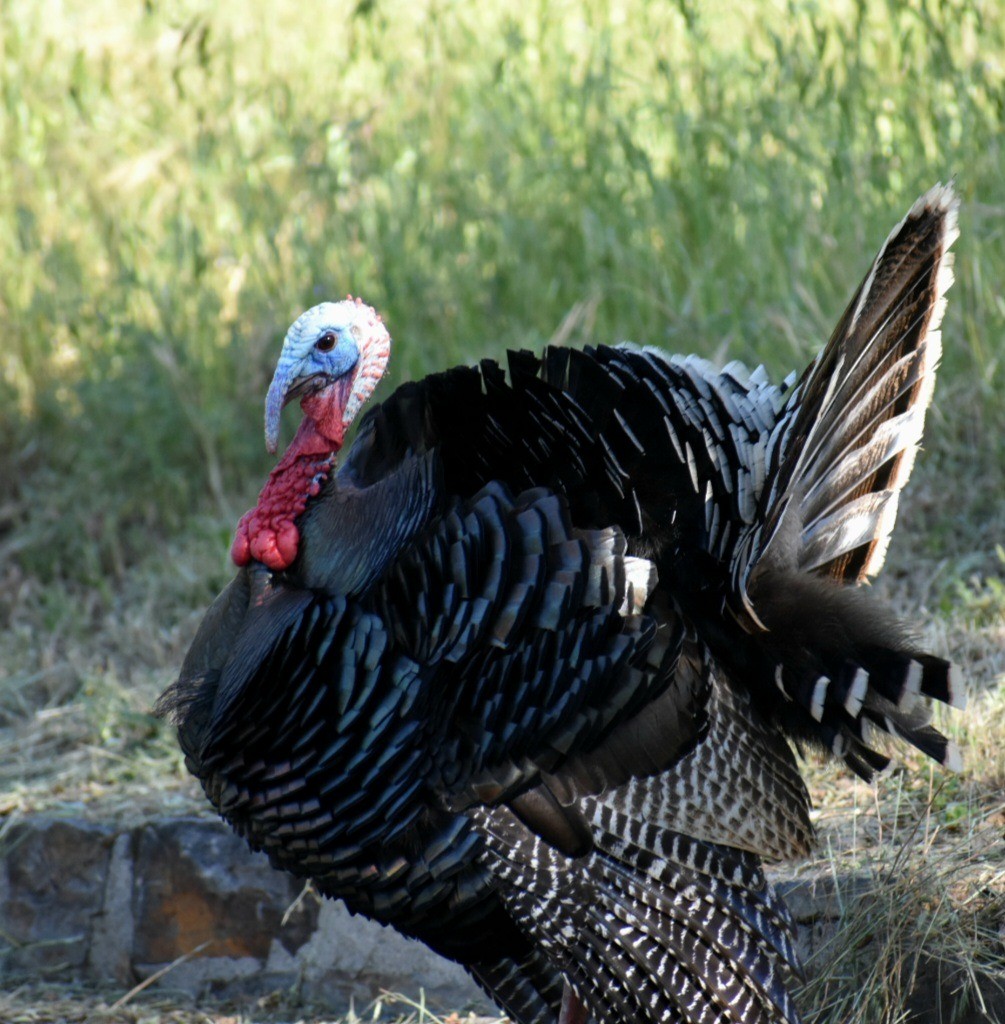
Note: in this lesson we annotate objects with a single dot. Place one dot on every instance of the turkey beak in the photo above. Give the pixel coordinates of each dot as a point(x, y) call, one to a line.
point(277, 397)
point(286, 385)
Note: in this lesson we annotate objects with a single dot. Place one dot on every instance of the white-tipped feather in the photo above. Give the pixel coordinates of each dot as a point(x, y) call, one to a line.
point(858, 522)
point(957, 689)
point(912, 686)
point(692, 466)
point(898, 435)
point(640, 579)
point(819, 696)
point(953, 761)
point(856, 692)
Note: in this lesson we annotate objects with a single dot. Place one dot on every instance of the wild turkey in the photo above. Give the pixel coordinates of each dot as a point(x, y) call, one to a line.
point(517, 679)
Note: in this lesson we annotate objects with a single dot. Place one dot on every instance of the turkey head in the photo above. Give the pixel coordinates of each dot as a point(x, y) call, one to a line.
point(332, 358)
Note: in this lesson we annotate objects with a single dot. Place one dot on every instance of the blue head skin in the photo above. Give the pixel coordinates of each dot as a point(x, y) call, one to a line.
point(321, 347)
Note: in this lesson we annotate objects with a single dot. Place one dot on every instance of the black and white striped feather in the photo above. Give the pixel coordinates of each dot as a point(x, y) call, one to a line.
point(650, 925)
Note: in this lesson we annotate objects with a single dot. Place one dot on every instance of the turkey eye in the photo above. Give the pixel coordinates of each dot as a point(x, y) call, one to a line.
point(326, 342)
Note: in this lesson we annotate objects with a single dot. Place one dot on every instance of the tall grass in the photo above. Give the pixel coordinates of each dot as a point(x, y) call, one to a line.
point(177, 182)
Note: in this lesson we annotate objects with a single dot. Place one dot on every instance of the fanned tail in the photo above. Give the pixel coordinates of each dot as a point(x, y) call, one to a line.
point(842, 666)
point(846, 447)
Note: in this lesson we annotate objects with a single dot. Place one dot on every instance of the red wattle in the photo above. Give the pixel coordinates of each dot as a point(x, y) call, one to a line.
point(268, 532)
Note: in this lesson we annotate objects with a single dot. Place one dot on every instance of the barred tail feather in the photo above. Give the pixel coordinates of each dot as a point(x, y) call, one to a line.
point(730, 883)
point(847, 444)
point(838, 458)
point(738, 787)
point(529, 990)
point(649, 926)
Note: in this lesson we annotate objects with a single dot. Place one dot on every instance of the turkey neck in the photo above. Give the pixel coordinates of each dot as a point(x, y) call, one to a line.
point(348, 533)
point(268, 532)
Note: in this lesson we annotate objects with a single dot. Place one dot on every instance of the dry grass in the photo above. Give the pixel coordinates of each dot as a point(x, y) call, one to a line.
point(53, 1004)
point(925, 847)
point(921, 863)
point(81, 672)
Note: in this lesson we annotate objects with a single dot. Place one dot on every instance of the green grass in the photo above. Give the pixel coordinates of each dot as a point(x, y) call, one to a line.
point(177, 183)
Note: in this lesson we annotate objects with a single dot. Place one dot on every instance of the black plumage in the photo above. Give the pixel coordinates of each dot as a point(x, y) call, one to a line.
point(525, 691)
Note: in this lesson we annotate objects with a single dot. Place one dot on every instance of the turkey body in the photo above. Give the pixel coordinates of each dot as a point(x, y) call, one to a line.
point(524, 691)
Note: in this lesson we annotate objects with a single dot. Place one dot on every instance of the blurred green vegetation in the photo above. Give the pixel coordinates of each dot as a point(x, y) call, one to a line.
point(177, 182)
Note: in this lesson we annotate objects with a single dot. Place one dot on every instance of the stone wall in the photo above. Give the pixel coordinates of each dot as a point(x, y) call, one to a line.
point(108, 902)
point(80, 899)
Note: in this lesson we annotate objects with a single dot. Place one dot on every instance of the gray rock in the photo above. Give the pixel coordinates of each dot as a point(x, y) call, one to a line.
point(198, 886)
point(110, 954)
point(185, 897)
point(351, 959)
point(52, 884)
point(822, 897)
